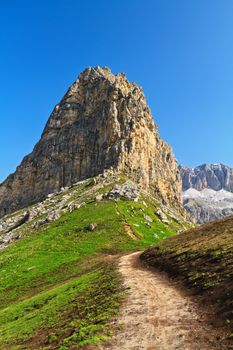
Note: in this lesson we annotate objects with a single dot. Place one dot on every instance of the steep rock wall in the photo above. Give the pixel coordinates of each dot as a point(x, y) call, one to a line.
point(102, 122)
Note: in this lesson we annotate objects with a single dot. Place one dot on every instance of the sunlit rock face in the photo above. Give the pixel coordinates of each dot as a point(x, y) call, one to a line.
point(102, 122)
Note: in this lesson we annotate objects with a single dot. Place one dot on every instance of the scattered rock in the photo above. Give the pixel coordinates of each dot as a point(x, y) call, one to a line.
point(147, 223)
point(128, 190)
point(9, 224)
point(30, 268)
point(148, 218)
point(99, 197)
point(162, 216)
point(51, 195)
point(73, 206)
point(92, 227)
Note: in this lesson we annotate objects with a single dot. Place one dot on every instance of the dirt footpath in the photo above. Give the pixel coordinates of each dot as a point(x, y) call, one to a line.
point(157, 315)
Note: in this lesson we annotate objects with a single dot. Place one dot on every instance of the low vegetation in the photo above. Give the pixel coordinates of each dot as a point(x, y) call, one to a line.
point(59, 287)
point(202, 258)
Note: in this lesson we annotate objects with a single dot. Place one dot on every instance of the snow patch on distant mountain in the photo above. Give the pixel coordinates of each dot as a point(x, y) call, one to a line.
point(207, 192)
point(209, 195)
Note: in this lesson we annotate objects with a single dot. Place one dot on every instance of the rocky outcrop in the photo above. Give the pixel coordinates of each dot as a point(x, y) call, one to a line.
point(128, 190)
point(102, 122)
point(103, 188)
point(207, 191)
point(214, 176)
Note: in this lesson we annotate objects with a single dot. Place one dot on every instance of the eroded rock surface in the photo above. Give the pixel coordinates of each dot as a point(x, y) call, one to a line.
point(102, 122)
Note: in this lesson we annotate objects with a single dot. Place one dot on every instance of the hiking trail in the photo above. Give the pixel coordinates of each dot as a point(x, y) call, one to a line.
point(156, 314)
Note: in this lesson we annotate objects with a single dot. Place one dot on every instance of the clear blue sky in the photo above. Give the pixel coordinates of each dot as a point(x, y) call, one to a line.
point(180, 51)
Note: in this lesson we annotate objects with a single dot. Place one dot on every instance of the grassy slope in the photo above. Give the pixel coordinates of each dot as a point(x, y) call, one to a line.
point(59, 287)
point(203, 259)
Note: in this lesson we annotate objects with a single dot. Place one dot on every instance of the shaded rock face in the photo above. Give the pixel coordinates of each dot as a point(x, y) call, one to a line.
point(214, 176)
point(102, 122)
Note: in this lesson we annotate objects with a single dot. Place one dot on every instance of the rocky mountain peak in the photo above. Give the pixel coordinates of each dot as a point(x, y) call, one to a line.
point(102, 122)
point(90, 92)
point(213, 176)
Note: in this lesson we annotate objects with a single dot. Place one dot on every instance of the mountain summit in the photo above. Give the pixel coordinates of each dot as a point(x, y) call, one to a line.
point(102, 122)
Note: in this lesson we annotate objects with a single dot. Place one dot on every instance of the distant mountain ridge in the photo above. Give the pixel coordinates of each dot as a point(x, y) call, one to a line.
point(213, 176)
point(207, 191)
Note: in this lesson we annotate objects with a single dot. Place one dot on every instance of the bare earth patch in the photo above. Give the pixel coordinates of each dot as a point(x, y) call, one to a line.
point(157, 315)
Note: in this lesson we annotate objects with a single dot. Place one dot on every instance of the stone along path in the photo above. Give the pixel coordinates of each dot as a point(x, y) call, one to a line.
point(157, 316)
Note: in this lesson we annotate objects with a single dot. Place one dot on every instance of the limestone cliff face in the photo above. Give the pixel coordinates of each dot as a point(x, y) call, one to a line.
point(102, 122)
